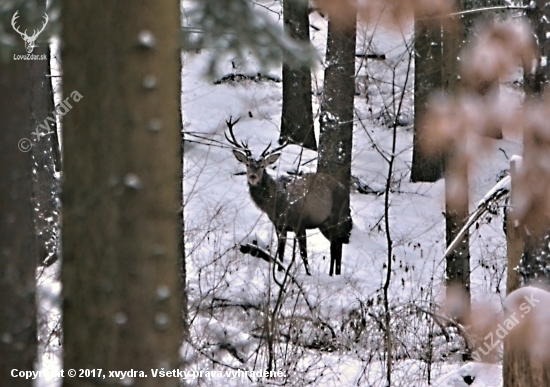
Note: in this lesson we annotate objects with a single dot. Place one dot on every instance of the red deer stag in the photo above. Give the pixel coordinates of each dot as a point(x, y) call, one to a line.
point(297, 203)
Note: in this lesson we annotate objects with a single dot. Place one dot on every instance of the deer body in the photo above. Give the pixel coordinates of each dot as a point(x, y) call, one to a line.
point(297, 203)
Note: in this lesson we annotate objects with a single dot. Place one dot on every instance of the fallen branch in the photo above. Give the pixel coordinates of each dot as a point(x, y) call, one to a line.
point(258, 252)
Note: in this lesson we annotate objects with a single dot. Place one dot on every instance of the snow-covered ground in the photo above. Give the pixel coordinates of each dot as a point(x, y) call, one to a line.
point(328, 330)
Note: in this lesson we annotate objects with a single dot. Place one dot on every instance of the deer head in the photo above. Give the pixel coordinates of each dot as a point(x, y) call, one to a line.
point(30, 41)
point(254, 167)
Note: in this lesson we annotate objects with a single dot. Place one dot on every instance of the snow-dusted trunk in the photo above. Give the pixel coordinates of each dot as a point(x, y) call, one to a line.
point(46, 159)
point(336, 135)
point(456, 181)
point(514, 241)
point(456, 214)
point(535, 82)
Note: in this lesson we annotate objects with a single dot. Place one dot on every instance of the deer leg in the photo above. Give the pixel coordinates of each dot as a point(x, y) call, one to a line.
point(281, 236)
point(335, 249)
point(301, 235)
point(335, 257)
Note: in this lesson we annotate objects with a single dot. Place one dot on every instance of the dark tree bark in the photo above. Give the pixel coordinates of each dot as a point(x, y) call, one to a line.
point(27, 190)
point(183, 266)
point(457, 268)
point(18, 251)
point(535, 261)
point(535, 83)
point(297, 116)
point(336, 135)
point(122, 193)
point(428, 77)
point(17, 238)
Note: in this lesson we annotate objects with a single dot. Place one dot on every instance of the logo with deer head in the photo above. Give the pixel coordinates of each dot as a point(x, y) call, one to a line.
point(30, 41)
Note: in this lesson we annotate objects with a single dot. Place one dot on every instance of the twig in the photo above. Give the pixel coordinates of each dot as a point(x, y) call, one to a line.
point(266, 7)
point(497, 8)
point(477, 10)
point(389, 241)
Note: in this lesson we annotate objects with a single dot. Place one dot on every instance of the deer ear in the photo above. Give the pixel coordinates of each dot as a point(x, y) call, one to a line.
point(271, 158)
point(240, 156)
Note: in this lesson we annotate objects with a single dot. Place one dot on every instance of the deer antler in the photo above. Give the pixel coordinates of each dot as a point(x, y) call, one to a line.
point(24, 34)
point(13, 19)
point(36, 32)
point(267, 152)
point(233, 141)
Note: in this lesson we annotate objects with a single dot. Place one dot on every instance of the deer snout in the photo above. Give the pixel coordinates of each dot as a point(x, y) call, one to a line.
point(253, 179)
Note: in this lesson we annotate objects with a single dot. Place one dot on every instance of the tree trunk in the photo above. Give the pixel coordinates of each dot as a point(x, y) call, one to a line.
point(18, 252)
point(535, 257)
point(456, 214)
point(520, 368)
point(182, 263)
point(297, 117)
point(336, 135)
point(456, 181)
point(428, 77)
point(526, 345)
point(46, 158)
point(488, 88)
point(536, 82)
point(514, 241)
point(122, 151)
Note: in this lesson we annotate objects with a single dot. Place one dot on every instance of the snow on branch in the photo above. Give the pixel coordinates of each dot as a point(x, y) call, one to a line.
point(498, 192)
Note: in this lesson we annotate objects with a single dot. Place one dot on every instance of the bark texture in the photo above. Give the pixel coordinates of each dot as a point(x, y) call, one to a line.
point(297, 116)
point(121, 197)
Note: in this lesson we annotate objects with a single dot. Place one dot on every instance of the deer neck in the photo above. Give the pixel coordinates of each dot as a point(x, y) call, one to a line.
point(265, 193)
